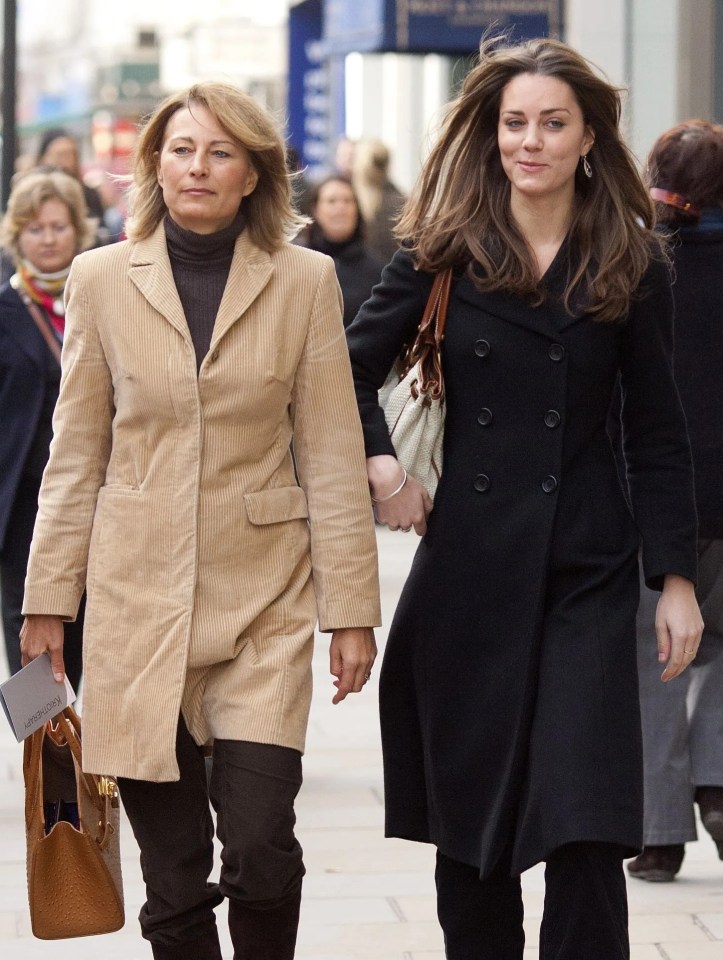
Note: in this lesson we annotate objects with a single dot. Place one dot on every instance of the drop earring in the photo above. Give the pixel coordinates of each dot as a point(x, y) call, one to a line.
point(586, 166)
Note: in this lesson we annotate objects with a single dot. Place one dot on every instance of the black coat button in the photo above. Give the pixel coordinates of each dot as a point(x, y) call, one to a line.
point(481, 483)
point(556, 352)
point(484, 418)
point(552, 419)
point(482, 348)
point(549, 484)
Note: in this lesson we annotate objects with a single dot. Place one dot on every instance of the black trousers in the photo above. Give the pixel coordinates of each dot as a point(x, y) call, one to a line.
point(252, 788)
point(585, 914)
point(12, 587)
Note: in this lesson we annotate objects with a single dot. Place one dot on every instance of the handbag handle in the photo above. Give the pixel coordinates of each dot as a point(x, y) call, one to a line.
point(102, 790)
point(426, 349)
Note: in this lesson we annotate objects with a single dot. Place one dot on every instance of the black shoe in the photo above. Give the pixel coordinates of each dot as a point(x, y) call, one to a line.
point(657, 864)
point(710, 804)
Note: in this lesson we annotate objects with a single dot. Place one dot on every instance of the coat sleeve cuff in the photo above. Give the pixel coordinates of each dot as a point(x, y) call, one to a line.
point(53, 603)
point(337, 616)
point(655, 573)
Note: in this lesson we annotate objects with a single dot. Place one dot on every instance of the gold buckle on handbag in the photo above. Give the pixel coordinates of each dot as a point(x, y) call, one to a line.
point(107, 787)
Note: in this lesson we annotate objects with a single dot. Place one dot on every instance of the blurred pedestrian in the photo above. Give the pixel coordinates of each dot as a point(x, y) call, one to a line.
point(683, 721)
point(379, 199)
point(344, 156)
point(339, 231)
point(44, 226)
point(208, 474)
point(508, 694)
point(59, 149)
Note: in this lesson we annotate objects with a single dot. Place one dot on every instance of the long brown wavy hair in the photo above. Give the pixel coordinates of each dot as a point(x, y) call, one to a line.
point(459, 211)
point(269, 213)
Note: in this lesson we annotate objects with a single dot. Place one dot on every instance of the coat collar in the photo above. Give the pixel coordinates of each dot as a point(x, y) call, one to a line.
point(150, 270)
point(547, 320)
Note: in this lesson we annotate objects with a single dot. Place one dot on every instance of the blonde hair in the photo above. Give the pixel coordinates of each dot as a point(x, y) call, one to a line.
point(459, 211)
point(269, 213)
point(28, 194)
point(370, 172)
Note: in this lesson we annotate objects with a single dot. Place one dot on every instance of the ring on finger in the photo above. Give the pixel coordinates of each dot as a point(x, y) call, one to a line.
point(691, 653)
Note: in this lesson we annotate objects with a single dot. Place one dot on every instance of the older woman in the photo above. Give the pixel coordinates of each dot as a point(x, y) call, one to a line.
point(207, 481)
point(44, 226)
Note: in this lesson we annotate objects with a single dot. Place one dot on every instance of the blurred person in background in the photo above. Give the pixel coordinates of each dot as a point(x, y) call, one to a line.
point(339, 231)
point(380, 200)
point(344, 156)
point(111, 190)
point(45, 225)
point(207, 480)
point(683, 721)
point(58, 148)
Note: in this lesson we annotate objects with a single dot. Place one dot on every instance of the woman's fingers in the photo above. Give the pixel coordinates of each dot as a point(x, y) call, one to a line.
point(43, 634)
point(678, 625)
point(352, 653)
point(677, 645)
point(409, 508)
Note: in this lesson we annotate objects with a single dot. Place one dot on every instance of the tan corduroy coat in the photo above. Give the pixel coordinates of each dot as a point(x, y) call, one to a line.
point(207, 550)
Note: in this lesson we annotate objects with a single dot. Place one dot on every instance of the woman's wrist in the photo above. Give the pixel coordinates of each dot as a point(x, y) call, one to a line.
point(395, 491)
point(386, 477)
point(675, 581)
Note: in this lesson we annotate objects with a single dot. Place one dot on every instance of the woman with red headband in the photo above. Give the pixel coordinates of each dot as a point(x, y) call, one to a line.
point(683, 721)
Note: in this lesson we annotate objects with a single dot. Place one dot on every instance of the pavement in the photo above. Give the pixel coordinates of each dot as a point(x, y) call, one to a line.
point(365, 898)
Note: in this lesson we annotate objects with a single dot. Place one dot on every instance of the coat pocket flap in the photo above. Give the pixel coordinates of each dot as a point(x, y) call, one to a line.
point(276, 505)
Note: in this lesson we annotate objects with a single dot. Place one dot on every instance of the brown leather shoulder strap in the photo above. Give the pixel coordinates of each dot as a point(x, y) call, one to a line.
point(445, 286)
point(425, 351)
point(44, 327)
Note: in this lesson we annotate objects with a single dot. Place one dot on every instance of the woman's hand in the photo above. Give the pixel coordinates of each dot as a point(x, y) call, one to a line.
point(352, 654)
point(42, 633)
point(678, 624)
point(408, 507)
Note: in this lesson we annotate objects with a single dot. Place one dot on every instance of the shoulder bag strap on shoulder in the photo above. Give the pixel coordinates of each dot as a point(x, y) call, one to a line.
point(44, 328)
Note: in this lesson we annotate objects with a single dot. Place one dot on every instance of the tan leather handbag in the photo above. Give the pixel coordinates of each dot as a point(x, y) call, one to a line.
point(72, 818)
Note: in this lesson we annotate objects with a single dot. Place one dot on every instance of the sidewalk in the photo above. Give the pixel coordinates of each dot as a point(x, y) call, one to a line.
point(365, 898)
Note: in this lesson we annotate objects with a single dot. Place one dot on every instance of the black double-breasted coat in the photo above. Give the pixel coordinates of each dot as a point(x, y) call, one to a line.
point(509, 703)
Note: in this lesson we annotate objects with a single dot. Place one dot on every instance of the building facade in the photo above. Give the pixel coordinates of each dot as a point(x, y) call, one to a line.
point(666, 54)
point(97, 69)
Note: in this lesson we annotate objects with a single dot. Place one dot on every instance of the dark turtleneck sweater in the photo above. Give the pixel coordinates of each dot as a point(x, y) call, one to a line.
point(200, 263)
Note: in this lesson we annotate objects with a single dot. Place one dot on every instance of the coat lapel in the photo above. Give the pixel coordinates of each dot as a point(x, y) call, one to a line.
point(548, 320)
point(507, 307)
point(555, 281)
point(251, 269)
point(150, 270)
